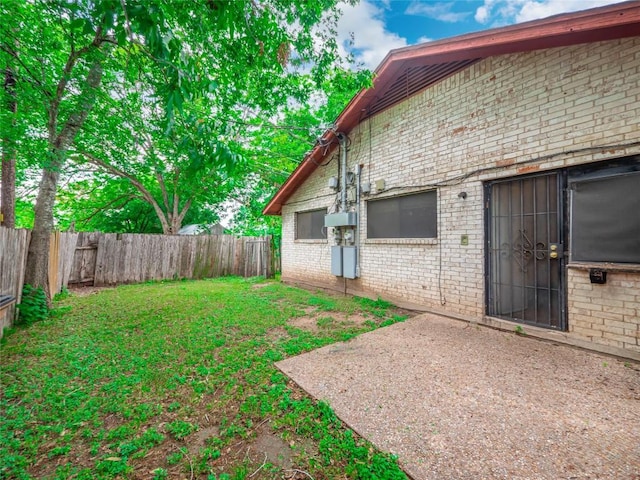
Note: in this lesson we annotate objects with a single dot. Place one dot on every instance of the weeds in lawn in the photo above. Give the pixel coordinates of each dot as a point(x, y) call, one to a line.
point(175, 379)
point(180, 429)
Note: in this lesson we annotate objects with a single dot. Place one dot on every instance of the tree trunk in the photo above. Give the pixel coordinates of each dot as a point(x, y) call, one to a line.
point(36, 273)
point(8, 198)
point(175, 225)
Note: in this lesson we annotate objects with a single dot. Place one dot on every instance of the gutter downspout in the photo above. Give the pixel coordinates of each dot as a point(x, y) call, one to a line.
point(342, 139)
point(357, 234)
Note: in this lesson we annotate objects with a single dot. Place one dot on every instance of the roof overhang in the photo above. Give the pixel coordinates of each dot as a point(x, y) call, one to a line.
point(407, 70)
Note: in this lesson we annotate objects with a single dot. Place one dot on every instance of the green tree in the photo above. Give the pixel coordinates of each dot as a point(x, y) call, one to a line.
point(193, 161)
point(277, 149)
point(243, 56)
point(107, 204)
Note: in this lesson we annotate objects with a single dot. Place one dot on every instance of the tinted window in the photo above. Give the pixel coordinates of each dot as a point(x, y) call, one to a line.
point(605, 218)
point(407, 216)
point(310, 225)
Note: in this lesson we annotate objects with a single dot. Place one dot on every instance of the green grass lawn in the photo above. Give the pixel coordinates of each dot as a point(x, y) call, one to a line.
point(177, 380)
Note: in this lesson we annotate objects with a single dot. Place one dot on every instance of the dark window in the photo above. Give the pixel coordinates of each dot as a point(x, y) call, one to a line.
point(605, 216)
point(310, 225)
point(407, 216)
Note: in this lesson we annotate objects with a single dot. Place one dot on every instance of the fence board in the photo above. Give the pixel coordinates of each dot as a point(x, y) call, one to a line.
point(14, 245)
point(66, 250)
point(54, 246)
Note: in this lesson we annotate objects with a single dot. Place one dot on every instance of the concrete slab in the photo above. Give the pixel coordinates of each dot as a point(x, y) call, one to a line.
point(460, 401)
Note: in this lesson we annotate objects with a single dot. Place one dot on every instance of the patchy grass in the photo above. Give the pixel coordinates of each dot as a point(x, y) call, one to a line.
point(177, 380)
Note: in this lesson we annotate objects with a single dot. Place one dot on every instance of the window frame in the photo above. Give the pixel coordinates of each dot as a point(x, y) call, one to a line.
point(431, 231)
point(322, 230)
point(586, 176)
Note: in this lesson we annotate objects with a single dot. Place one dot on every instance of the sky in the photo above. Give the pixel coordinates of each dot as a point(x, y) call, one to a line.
point(373, 27)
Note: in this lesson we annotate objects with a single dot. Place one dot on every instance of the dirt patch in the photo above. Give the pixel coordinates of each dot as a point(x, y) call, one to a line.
point(199, 439)
point(316, 320)
point(357, 319)
point(305, 323)
point(268, 447)
point(276, 334)
point(85, 291)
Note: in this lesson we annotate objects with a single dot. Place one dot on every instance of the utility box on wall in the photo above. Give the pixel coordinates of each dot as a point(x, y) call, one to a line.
point(344, 261)
point(336, 260)
point(343, 219)
point(349, 261)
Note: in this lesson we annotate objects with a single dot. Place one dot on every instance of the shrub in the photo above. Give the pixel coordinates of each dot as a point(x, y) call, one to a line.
point(33, 307)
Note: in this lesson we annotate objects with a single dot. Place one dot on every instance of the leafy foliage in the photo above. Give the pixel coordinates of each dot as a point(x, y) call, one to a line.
point(165, 95)
point(183, 115)
point(33, 307)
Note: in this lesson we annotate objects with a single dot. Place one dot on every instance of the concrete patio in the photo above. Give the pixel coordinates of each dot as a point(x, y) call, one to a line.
point(458, 401)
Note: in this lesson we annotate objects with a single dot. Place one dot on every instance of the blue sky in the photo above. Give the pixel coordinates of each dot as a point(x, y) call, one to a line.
point(378, 26)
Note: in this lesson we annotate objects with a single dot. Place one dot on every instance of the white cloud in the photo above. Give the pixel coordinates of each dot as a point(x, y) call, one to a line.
point(482, 14)
point(438, 11)
point(502, 12)
point(362, 31)
point(424, 40)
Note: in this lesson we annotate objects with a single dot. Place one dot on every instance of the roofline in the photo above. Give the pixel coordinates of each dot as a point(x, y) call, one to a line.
point(588, 26)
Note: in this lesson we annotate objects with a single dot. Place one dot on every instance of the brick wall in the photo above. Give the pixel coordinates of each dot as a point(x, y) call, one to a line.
point(606, 314)
point(499, 118)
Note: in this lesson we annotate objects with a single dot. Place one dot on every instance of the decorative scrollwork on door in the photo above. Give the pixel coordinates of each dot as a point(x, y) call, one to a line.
point(522, 250)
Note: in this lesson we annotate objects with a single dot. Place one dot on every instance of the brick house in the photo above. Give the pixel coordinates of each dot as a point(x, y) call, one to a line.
point(492, 177)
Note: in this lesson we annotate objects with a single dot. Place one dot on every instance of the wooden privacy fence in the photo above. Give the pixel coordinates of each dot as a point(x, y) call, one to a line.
point(101, 259)
point(13, 257)
point(109, 258)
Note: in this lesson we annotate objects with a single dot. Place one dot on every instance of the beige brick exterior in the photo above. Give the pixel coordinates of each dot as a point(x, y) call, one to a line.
point(607, 314)
point(499, 118)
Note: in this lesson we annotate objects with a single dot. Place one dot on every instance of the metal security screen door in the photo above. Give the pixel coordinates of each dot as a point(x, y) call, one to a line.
point(525, 251)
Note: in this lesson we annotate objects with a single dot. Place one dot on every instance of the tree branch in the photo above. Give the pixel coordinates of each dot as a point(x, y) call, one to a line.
point(127, 22)
point(176, 198)
point(77, 118)
point(184, 210)
point(64, 80)
point(163, 188)
point(35, 79)
point(127, 197)
point(134, 181)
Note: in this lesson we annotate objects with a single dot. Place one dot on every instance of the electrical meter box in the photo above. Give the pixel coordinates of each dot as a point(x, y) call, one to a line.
point(342, 219)
point(349, 261)
point(336, 260)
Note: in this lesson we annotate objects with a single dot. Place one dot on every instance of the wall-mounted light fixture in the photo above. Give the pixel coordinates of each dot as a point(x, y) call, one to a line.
point(462, 195)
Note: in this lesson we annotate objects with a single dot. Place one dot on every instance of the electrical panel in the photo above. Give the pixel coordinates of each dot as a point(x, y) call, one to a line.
point(336, 260)
point(349, 262)
point(342, 219)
